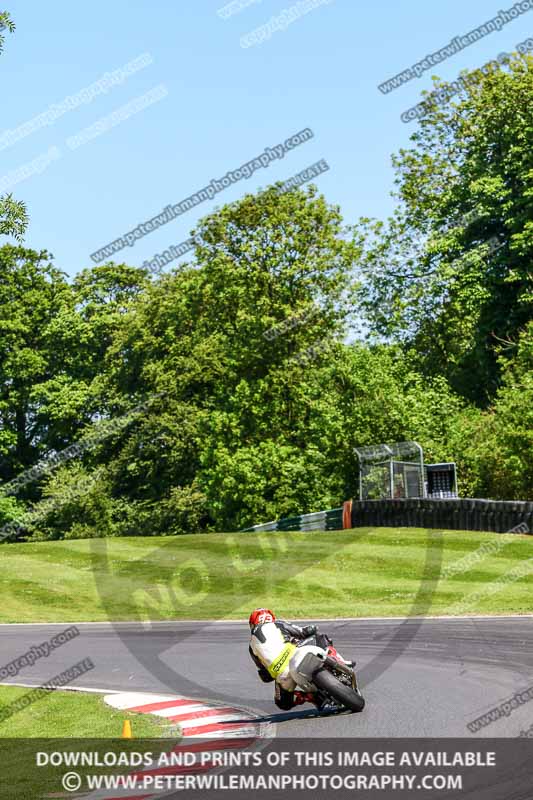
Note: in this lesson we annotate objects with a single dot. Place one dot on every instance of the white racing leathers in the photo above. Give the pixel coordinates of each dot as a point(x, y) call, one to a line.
point(279, 657)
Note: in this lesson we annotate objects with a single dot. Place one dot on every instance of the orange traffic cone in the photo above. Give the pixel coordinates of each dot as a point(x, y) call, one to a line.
point(126, 730)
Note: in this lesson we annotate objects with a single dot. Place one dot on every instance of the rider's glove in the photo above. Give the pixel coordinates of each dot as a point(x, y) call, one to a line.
point(265, 675)
point(309, 630)
point(323, 640)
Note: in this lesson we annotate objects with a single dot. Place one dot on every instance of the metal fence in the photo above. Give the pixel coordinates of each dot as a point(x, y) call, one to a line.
point(331, 520)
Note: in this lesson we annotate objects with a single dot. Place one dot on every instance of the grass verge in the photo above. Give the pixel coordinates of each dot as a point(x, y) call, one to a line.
point(362, 572)
point(66, 722)
point(76, 715)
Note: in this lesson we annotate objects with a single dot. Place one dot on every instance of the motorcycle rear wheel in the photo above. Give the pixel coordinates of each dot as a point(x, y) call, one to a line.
point(342, 694)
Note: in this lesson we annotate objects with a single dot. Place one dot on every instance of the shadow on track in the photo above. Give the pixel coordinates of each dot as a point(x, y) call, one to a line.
point(310, 713)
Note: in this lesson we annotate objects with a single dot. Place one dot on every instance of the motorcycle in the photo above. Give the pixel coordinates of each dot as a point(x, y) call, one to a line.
point(323, 671)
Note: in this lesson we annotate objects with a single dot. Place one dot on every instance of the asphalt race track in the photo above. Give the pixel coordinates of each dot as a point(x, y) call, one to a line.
point(419, 677)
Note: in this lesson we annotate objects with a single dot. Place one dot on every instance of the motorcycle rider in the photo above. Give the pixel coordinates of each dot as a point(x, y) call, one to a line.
point(271, 648)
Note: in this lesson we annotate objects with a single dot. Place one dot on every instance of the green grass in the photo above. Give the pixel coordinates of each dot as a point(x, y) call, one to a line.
point(71, 715)
point(362, 572)
point(67, 722)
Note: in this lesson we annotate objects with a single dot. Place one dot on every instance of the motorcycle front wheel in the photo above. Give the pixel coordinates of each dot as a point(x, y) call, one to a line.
point(339, 691)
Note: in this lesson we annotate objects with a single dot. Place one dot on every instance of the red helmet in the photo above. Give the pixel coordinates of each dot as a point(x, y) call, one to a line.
point(259, 616)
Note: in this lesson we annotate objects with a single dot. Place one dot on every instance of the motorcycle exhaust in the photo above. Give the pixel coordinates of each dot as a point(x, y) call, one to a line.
point(338, 665)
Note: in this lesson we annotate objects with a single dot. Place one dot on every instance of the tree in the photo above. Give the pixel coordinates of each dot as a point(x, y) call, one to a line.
point(53, 340)
point(32, 293)
point(495, 447)
point(262, 402)
point(78, 337)
point(450, 274)
point(13, 217)
point(206, 338)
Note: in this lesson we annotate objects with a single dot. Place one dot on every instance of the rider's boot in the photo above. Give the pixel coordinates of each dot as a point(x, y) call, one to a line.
point(323, 703)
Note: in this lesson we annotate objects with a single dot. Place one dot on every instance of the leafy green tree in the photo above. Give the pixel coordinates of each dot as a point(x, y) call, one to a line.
point(495, 447)
point(53, 339)
point(450, 274)
point(203, 338)
point(6, 23)
point(253, 400)
point(261, 401)
point(32, 292)
point(11, 510)
point(77, 338)
point(75, 505)
point(13, 217)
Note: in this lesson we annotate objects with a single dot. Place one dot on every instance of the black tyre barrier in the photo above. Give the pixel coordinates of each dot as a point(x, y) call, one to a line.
point(499, 516)
point(459, 514)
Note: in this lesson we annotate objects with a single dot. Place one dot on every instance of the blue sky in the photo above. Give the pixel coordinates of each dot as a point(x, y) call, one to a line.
point(221, 105)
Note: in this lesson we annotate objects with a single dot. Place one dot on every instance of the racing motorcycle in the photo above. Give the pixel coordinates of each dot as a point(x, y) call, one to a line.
point(324, 671)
